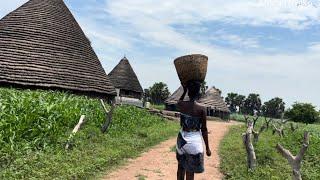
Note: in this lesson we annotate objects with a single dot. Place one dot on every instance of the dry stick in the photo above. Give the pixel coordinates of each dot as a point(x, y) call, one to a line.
point(251, 155)
point(255, 121)
point(295, 161)
point(268, 122)
point(246, 118)
point(279, 131)
point(109, 114)
point(257, 134)
point(75, 130)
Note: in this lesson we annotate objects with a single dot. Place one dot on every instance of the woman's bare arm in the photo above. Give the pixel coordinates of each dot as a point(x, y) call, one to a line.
point(204, 131)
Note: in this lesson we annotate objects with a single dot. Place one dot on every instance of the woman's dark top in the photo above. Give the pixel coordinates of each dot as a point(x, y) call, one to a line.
point(190, 123)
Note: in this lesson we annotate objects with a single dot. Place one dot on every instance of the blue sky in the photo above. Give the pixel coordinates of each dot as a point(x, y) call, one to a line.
point(269, 47)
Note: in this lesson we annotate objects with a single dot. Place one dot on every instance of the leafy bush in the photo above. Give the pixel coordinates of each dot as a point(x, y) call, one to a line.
point(303, 112)
point(35, 125)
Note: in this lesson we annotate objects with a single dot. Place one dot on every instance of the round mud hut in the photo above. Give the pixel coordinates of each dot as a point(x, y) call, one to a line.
point(43, 47)
point(125, 80)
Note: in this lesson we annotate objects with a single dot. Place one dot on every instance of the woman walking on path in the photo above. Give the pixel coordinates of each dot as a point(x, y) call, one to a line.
point(193, 123)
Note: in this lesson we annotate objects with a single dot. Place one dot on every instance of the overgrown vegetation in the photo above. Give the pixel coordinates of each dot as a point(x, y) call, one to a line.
point(303, 112)
point(35, 125)
point(270, 164)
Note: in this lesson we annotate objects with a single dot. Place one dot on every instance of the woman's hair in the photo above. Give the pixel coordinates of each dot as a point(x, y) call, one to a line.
point(193, 89)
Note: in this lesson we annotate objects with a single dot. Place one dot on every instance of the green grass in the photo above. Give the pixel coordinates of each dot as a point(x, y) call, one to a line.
point(270, 164)
point(159, 107)
point(35, 125)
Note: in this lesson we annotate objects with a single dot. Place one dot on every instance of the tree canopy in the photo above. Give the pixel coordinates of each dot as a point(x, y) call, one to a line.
point(252, 104)
point(158, 93)
point(303, 112)
point(273, 108)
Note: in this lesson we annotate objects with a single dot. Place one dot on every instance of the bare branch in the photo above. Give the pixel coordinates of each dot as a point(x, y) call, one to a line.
point(295, 161)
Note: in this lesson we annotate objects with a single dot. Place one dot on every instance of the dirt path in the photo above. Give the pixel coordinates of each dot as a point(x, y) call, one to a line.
point(159, 163)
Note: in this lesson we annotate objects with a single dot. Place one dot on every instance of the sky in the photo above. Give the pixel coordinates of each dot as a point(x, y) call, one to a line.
point(269, 47)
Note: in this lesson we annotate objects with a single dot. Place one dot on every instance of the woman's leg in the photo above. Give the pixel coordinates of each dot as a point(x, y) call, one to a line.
point(181, 172)
point(190, 175)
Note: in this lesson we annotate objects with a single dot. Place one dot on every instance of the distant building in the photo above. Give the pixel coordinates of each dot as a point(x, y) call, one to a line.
point(215, 104)
point(126, 82)
point(212, 100)
point(43, 47)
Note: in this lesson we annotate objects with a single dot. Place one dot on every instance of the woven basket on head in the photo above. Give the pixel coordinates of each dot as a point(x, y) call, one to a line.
point(191, 67)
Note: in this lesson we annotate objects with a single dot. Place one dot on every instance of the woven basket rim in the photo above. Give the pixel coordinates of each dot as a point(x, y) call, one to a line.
point(190, 55)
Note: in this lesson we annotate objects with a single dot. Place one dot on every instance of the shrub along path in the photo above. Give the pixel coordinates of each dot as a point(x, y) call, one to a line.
point(160, 161)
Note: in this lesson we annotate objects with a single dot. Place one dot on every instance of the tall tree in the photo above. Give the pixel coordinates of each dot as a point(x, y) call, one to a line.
point(159, 92)
point(231, 101)
point(273, 108)
point(252, 104)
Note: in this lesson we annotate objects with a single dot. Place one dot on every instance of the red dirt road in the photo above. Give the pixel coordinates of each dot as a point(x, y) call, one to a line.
point(159, 163)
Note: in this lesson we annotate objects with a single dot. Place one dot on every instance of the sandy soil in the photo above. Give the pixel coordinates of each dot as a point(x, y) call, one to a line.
point(159, 163)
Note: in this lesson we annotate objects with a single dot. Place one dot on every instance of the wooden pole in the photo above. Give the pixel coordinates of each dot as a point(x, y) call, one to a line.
point(75, 130)
point(109, 114)
point(246, 137)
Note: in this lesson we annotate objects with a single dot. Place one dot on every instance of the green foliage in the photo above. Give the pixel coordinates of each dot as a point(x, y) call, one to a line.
point(159, 107)
point(231, 101)
point(235, 101)
point(252, 104)
point(270, 164)
point(273, 108)
point(158, 93)
point(35, 125)
point(303, 112)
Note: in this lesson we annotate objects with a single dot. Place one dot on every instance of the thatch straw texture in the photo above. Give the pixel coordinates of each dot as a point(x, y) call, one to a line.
point(174, 98)
point(213, 99)
point(42, 46)
point(191, 67)
point(123, 77)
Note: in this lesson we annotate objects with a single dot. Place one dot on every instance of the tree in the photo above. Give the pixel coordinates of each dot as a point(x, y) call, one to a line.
point(239, 102)
point(159, 92)
point(303, 112)
point(203, 88)
point(252, 104)
point(231, 101)
point(273, 108)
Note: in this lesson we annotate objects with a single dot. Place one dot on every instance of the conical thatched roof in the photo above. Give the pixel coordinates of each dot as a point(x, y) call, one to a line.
point(123, 77)
point(174, 98)
point(42, 46)
point(213, 99)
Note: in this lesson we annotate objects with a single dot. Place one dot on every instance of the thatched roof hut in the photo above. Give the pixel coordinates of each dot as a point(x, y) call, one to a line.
point(43, 46)
point(174, 98)
point(125, 80)
point(211, 99)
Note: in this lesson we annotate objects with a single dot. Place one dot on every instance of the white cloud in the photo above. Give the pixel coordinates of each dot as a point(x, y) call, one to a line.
point(286, 75)
point(284, 13)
